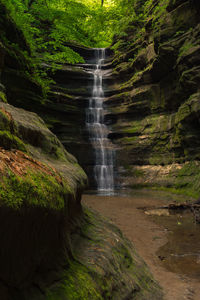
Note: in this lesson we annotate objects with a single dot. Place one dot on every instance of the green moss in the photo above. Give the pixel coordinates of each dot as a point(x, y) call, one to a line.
point(8, 134)
point(77, 284)
point(188, 179)
point(122, 254)
point(122, 68)
point(54, 150)
point(33, 189)
point(156, 160)
point(3, 97)
point(131, 171)
point(186, 109)
point(4, 121)
point(179, 191)
point(136, 77)
point(185, 181)
point(106, 267)
point(138, 173)
point(186, 46)
point(133, 127)
point(158, 124)
point(128, 141)
point(9, 141)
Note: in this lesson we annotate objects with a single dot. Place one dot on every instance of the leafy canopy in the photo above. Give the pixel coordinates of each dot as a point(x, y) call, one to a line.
point(50, 25)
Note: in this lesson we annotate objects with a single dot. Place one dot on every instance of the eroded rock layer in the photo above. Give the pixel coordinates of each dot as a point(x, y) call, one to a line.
point(155, 109)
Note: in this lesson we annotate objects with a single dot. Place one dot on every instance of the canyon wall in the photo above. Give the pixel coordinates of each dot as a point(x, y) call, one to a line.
point(51, 248)
point(151, 83)
point(155, 109)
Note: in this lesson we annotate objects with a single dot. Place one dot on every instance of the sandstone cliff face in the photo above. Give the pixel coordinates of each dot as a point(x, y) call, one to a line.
point(50, 247)
point(16, 68)
point(65, 110)
point(156, 106)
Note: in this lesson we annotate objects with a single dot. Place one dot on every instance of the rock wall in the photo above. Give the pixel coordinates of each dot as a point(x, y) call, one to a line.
point(64, 107)
point(65, 110)
point(152, 97)
point(155, 109)
point(50, 247)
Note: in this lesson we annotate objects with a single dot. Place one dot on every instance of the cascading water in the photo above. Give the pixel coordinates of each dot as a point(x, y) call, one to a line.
point(98, 131)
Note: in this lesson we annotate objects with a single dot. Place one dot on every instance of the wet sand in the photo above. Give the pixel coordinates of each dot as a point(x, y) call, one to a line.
point(147, 237)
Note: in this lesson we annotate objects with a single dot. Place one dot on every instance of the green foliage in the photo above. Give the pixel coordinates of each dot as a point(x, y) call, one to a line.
point(49, 25)
point(52, 27)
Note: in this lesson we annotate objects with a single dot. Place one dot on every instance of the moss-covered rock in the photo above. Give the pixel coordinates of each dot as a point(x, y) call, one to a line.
point(29, 133)
point(26, 182)
point(9, 138)
point(52, 250)
point(18, 72)
point(155, 116)
point(39, 201)
point(105, 266)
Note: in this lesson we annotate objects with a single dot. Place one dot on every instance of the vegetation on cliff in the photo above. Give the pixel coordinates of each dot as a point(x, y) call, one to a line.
point(157, 116)
point(50, 27)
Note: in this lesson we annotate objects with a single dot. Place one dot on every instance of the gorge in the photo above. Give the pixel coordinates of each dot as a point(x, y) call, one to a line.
point(129, 113)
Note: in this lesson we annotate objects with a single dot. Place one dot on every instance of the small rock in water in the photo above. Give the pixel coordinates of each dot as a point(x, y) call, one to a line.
point(157, 212)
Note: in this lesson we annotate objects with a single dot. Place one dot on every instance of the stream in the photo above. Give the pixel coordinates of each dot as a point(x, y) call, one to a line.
point(168, 243)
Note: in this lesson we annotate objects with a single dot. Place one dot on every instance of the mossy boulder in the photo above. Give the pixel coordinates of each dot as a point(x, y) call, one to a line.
point(9, 138)
point(36, 204)
point(54, 250)
point(3, 97)
point(39, 201)
point(42, 144)
point(27, 182)
point(104, 266)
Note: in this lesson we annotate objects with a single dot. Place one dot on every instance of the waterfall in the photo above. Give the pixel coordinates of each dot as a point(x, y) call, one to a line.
point(98, 131)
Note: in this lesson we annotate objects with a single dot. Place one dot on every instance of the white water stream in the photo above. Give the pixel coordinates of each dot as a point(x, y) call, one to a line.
point(98, 131)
